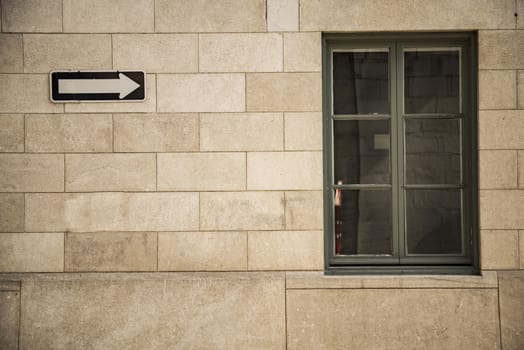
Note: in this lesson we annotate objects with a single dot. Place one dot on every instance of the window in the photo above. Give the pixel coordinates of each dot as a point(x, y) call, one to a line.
point(400, 153)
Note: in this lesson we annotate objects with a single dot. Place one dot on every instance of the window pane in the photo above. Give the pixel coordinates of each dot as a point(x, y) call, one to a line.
point(433, 151)
point(362, 151)
point(360, 82)
point(433, 219)
point(363, 222)
point(432, 81)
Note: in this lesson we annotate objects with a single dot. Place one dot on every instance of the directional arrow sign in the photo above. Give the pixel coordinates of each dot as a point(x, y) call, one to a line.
point(69, 86)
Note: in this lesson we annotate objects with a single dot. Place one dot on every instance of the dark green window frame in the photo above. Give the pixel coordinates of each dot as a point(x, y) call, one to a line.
point(467, 262)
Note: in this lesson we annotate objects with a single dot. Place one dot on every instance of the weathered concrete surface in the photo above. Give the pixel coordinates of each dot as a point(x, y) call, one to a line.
point(153, 311)
point(511, 284)
point(393, 319)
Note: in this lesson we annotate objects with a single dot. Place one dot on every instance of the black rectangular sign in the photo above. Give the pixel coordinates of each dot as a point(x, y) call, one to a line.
point(67, 86)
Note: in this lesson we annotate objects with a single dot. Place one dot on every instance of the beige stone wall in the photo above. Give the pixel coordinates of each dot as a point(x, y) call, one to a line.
point(213, 185)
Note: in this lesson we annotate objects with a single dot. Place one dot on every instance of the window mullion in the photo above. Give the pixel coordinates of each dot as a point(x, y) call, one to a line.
point(399, 152)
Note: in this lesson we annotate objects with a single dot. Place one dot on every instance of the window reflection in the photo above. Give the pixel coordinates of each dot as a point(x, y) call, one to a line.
point(360, 82)
point(432, 81)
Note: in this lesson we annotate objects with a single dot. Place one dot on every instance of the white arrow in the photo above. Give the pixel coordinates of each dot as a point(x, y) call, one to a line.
point(123, 86)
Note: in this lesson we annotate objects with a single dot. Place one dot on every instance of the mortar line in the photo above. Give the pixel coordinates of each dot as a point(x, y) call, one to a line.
point(498, 309)
point(245, 92)
point(23, 53)
point(19, 313)
point(156, 171)
point(516, 26)
point(199, 125)
point(199, 212)
point(64, 172)
point(154, 28)
point(265, 15)
point(24, 116)
point(247, 250)
point(62, 9)
point(285, 307)
point(198, 52)
point(299, 10)
point(283, 131)
point(283, 59)
point(112, 56)
point(156, 93)
point(157, 251)
point(517, 87)
point(518, 171)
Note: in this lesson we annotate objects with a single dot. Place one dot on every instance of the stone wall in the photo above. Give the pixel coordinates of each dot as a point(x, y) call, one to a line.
point(194, 220)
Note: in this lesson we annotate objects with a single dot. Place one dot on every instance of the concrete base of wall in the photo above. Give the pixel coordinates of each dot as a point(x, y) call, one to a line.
point(260, 311)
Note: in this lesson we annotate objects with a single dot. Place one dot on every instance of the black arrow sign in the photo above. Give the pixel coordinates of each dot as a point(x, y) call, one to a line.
point(98, 86)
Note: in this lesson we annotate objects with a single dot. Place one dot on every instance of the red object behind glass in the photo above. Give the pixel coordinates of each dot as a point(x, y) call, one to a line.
point(338, 220)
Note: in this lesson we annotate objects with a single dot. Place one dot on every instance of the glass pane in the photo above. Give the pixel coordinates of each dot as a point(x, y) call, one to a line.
point(433, 151)
point(362, 151)
point(360, 82)
point(432, 80)
point(433, 219)
point(363, 222)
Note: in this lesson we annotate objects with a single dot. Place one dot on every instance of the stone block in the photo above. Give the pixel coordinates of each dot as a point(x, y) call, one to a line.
point(501, 209)
point(103, 16)
point(511, 294)
point(520, 96)
point(156, 53)
point(92, 212)
point(303, 131)
point(31, 16)
point(111, 251)
point(46, 52)
point(11, 132)
point(377, 15)
point(11, 212)
point(497, 169)
point(501, 129)
point(241, 132)
point(501, 49)
point(497, 89)
point(32, 252)
point(155, 311)
point(202, 171)
point(11, 53)
point(26, 93)
point(242, 210)
point(202, 251)
point(31, 172)
point(149, 105)
point(285, 250)
point(318, 280)
point(282, 15)
point(210, 16)
point(110, 172)
point(499, 250)
point(9, 319)
point(304, 210)
point(284, 171)
point(201, 93)
point(302, 52)
point(254, 52)
point(377, 319)
point(284, 92)
point(69, 133)
point(156, 132)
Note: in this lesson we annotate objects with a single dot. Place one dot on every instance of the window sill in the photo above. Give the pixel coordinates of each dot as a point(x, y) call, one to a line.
point(318, 280)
